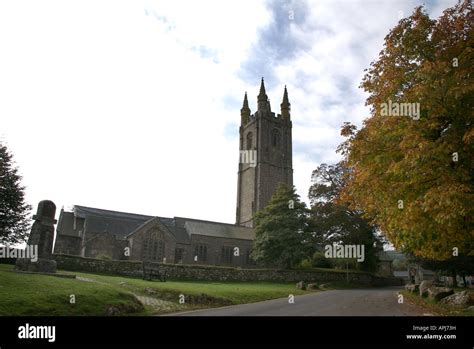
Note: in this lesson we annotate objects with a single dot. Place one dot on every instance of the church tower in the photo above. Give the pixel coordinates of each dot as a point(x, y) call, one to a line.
point(265, 155)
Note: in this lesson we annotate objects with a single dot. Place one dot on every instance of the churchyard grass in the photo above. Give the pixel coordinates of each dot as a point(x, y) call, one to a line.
point(92, 294)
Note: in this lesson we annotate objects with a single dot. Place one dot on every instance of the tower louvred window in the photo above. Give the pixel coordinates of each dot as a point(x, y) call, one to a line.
point(276, 138)
point(249, 140)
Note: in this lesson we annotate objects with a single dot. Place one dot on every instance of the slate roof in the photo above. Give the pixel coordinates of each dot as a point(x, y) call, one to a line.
point(179, 233)
point(118, 223)
point(197, 227)
point(383, 256)
point(123, 224)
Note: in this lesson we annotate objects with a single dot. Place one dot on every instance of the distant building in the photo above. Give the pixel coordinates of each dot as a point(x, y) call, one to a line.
point(266, 161)
point(418, 274)
point(385, 264)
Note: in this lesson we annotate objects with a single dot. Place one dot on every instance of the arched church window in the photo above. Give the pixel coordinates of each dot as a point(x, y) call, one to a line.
point(276, 138)
point(153, 247)
point(249, 141)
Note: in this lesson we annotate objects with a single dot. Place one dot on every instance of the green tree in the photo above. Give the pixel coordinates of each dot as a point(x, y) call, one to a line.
point(413, 174)
point(333, 222)
point(14, 222)
point(281, 230)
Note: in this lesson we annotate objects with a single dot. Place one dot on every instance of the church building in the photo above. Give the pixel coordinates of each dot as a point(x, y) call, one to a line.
point(265, 161)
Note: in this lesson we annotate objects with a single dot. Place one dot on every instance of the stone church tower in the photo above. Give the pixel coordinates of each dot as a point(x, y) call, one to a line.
point(265, 155)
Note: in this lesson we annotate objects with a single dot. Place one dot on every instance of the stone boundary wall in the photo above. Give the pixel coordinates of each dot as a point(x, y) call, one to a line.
point(218, 273)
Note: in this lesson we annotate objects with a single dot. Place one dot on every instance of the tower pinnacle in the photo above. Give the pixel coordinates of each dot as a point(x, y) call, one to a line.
point(285, 105)
point(263, 98)
point(245, 111)
point(246, 102)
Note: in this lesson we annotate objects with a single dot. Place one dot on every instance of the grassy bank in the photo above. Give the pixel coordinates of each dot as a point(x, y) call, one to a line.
point(26, 294)
point(436, 308)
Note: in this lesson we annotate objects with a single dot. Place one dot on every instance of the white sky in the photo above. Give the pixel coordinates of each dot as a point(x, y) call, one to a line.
point(134, 105)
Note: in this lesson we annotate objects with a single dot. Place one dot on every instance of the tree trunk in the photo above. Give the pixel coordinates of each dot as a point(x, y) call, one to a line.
point(453, 275)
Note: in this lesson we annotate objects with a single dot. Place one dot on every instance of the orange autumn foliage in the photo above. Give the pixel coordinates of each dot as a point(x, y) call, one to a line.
point(414, 177)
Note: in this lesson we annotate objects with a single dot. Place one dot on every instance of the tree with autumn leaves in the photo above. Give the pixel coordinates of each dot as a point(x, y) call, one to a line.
point(414, 177)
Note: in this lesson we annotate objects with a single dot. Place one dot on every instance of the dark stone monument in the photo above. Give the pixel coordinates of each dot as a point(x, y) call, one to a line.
point(41, 237)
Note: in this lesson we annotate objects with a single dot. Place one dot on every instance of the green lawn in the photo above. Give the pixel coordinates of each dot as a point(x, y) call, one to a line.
point(26, 294)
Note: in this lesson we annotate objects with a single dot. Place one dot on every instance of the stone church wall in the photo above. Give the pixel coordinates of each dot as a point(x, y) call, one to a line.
point(218, 273)
point(137, 243)
point(105, 245)
point(67, 244)
point(214, 250)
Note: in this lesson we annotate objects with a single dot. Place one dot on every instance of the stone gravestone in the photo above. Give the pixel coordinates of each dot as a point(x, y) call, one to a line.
point(42, 236)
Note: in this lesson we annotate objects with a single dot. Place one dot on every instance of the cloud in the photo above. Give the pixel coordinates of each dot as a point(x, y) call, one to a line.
point(135, 105)
point(328, 46)
point(278, 42)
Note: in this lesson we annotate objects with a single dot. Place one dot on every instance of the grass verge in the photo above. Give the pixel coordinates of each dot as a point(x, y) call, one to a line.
point(43, 295)
point(436, 308)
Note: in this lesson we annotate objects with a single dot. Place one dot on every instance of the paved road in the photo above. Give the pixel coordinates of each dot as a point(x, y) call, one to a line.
point(360, 302)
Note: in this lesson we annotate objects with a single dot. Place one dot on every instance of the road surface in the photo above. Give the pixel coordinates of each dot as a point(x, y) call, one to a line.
point(356, 302)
